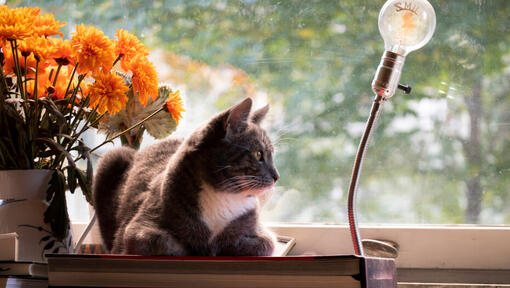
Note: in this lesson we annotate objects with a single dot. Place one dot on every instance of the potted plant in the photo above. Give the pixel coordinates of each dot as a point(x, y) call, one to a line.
point(51, 92)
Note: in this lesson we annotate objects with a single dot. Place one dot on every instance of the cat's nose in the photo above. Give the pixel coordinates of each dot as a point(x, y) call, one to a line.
point(276, 175)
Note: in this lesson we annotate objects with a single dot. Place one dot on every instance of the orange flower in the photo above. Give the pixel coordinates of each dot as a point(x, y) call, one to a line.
point(45, 86)
point(145, 78)
point(63, 52)
point(42, 85)
point(59, 90)
point(85, 89)
point(39, 45)
point(108, 93)
point(174, 106)
point(128, 46)
point(93, 49)
point(61, 87)
point(16, 24)
point(31, 63)
point(46, 25)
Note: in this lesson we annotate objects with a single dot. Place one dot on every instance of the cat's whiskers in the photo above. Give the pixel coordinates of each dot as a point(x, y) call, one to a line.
point(238, 185)
point(246, 184)
point(221, 168)
point(277, 136)
point(236, 179)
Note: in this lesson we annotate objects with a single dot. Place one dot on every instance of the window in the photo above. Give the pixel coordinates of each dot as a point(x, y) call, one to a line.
point(438, 156)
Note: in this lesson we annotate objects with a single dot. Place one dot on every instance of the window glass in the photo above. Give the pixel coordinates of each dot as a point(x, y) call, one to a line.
point(438, 155)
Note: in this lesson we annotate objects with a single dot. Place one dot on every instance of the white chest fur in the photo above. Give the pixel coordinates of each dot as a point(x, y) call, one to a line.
point(220, 208)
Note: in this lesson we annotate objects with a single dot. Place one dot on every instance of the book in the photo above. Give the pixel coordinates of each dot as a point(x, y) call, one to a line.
point(9, 246)
point(25, 269)
point(283, 245)
point(170, 271)
point(16, 282)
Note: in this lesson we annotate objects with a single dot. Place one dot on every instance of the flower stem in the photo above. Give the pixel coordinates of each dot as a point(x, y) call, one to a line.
point(117, 60)
point(56, 75)
point(128, 129)
point(4, 88)
point(73, 97)
point(14, 48)
point(25, 94)
point(70, 79)
point(35, 84)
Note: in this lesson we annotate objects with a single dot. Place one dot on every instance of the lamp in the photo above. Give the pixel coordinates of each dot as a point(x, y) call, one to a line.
point(405, 25)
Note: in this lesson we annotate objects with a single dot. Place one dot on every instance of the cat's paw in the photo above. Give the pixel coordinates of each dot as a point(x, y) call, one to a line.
point(140, 240)
point(256, 245)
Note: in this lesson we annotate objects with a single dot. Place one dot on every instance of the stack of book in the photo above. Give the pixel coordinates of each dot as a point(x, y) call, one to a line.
point(14, 273)
point(101, 270)
point(167, 271)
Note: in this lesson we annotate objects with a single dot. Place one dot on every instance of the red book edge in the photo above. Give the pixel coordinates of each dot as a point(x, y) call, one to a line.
point(200, 258)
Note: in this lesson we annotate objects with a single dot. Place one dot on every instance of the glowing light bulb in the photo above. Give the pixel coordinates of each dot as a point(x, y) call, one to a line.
point(405, 25)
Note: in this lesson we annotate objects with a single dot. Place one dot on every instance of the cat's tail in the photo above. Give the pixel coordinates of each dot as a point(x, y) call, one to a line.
point(110, 174)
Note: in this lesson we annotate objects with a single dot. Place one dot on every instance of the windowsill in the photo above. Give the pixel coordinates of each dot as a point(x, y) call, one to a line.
point(427, 254)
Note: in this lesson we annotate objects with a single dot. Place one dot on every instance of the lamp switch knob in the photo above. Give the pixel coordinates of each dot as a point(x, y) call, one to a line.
point(406, 88)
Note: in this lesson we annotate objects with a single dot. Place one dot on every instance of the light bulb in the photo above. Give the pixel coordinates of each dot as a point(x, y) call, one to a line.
point(405, 25)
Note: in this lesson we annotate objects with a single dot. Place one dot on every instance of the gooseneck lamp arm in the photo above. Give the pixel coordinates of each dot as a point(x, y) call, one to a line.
point(405, 25)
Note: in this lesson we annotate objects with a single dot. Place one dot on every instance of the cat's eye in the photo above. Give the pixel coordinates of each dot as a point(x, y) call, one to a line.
point(258, 155)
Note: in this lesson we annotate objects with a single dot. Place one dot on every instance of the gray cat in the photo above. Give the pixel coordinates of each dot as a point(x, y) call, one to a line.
point(197, 196)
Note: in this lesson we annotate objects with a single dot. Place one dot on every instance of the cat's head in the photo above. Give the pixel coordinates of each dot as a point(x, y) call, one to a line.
point(236, 153)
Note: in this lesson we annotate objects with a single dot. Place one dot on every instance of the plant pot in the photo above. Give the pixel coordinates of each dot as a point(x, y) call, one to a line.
point(23, 194)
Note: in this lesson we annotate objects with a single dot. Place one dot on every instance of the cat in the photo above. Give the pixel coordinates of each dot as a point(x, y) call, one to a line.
point(195, 196)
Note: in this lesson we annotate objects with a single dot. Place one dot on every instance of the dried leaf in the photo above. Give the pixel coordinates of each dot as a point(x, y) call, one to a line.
point(56, 213)
point(84, 185)
point(71, 179)
point(50, 143)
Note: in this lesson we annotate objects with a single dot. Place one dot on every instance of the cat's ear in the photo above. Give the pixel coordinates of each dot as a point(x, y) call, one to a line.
point(237, 116)
point(259, 115)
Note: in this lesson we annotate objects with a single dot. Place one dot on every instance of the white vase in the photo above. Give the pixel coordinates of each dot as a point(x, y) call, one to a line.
point(23, 195)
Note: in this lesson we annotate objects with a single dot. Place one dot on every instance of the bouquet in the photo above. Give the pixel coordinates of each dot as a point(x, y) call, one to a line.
point(52, 90)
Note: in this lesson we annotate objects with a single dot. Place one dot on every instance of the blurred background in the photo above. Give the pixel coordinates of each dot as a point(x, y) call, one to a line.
point(440, 155)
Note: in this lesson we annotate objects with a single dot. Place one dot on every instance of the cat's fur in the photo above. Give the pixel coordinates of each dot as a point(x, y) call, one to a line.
point(197, 196)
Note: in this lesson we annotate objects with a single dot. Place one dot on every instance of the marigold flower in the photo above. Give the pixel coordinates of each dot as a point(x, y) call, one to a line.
point(46, 25)
point(128, 46)
point(61, 86)
point(93, 49)
point(62, 52)
point(145, 78)
point(42, 85)
point(174, 106)
point(58, 91)
point(85, 89)
point(38, 45)
point(108, 93)
point(16, 24)
point(45, 86)
point(31, 63)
